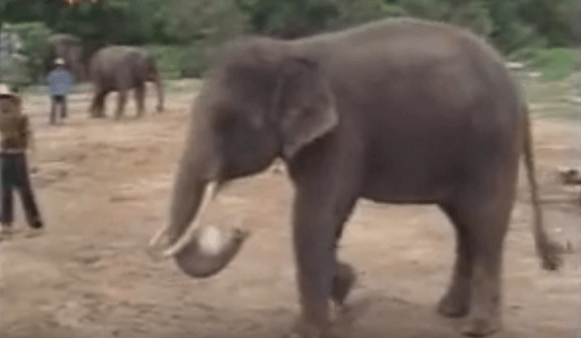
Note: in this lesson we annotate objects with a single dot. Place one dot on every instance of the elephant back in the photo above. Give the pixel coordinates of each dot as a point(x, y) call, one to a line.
point(133, 62)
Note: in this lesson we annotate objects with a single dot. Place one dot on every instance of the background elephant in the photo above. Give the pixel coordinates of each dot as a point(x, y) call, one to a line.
point(396, 111)
point(69, 48)
point(121, 68)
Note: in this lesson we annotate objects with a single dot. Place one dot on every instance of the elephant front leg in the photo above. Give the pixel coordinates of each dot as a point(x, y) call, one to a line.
point(343, 282)
point(121, 100)
point(320, 277)
point(315, 268)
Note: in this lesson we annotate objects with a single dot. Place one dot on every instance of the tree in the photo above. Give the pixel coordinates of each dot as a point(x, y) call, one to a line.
point(204, 25)
point(288, 18)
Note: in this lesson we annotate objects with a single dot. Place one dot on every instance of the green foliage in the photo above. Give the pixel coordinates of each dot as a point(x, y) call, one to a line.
point(28, 66)
point(288, 18)
point(201, 26)
point(214, 20)
point(555, 63)
point(16, 74)
point(168, 58)
point(195, 61)
point(350, 12)
point(550, 19)
point(217, 22)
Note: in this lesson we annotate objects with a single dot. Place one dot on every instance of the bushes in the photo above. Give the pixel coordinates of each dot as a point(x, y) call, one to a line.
point(194, 61)
point(183, 61)
point(555, 63)
point(204, 25)
point(26, 65)
point(168, 58)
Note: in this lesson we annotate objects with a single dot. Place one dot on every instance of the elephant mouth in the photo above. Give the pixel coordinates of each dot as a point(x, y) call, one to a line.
point(199, 251)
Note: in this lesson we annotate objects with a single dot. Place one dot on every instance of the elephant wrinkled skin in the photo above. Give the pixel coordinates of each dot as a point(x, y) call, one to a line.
point(395, 111)
point(121, 68)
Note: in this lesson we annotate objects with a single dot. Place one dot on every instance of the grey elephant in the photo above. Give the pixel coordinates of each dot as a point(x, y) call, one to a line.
point(69, 48)
point(395, 111)
point(122, 68)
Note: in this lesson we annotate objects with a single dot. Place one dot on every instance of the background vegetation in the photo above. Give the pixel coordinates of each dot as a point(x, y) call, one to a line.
point(185, 34)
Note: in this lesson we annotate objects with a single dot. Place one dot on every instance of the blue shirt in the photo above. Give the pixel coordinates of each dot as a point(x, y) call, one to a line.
point(59, 82)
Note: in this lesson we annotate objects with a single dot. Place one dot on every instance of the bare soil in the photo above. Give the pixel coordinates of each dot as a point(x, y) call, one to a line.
point(103, 188)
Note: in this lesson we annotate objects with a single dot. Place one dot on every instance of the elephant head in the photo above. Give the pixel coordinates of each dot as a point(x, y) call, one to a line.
point(152, 74)
point(263, 100)
point(69, 48)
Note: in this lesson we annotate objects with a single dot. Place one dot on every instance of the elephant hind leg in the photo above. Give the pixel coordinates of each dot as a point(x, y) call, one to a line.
point(140, 99)
point(97, 108)
point(456, 302)
point(121, 100)
point(481, 220)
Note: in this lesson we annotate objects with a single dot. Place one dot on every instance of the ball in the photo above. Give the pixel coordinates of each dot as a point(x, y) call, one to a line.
point(210, 241)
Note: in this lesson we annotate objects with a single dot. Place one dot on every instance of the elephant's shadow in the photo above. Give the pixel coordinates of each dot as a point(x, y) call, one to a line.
point(372, 316)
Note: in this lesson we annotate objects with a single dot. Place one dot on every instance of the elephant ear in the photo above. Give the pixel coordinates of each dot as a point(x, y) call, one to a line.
point(305, 105)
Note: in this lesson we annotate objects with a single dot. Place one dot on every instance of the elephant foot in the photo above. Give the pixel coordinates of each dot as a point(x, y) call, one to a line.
point(454, 305)
point(481, 326)
point(339, 313)
point(343, 283)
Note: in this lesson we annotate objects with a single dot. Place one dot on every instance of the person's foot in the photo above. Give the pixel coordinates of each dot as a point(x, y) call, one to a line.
point(36, 223)
point(34, 232)
point(36, 229)
point(570, 176)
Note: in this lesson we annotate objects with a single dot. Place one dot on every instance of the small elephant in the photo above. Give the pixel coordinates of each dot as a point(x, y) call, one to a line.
point(395, 111)
point(69, 48)
point(121, 68)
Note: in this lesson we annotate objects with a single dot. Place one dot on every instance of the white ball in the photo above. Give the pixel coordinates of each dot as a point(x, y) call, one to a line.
point(210, 241)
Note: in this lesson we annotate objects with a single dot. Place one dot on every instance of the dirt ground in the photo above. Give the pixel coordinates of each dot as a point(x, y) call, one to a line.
point(89, 275)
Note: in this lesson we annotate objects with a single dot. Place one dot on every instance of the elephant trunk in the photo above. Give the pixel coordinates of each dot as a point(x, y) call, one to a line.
point(186, 240)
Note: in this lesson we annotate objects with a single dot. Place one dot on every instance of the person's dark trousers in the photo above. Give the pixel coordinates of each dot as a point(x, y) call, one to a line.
point(58, 99)
point(14, 175)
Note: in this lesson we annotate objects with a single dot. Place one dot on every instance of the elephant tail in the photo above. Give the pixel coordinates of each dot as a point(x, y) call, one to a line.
point(548, 250)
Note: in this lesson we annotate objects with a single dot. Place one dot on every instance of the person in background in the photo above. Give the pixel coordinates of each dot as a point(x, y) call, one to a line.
point(59, 83)
point(15, 136)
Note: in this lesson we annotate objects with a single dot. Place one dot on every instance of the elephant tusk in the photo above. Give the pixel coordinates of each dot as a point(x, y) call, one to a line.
point(190, 232)
point(157, 237)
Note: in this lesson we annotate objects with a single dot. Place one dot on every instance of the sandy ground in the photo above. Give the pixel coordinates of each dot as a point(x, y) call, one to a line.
point(103, 188)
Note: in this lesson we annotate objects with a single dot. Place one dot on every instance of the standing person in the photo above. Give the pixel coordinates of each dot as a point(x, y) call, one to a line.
point(15, 136)
point(59, 83)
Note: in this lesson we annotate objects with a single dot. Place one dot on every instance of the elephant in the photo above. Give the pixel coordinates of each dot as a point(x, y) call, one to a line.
point(69, 48)
point(398, 111)
point(121, 68)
